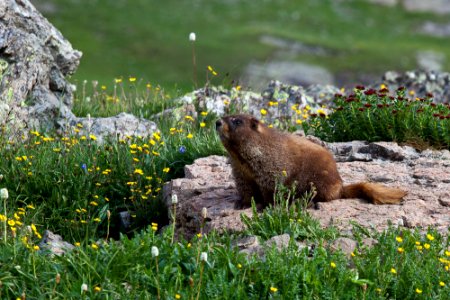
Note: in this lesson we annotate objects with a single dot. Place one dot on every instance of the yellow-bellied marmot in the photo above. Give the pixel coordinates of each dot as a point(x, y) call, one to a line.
point(261, 156)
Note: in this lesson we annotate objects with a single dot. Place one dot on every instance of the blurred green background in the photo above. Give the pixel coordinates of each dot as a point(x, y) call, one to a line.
point(354, 41)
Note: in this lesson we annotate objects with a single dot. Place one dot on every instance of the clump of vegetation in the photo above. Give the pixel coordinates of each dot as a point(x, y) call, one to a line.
point(76, 187)
point(80, 186)
point(402, 264)
point(287, 215)
point(375, 115)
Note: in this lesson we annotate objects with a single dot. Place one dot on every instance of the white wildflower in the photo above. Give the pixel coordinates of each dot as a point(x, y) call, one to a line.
point(4, 194)
point(204, 256)
point(155, 251)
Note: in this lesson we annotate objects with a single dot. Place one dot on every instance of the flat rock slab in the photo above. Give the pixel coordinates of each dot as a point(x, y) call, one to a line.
point(426, 177)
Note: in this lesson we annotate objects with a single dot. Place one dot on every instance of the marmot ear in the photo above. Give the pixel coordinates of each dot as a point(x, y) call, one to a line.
point(254, 123)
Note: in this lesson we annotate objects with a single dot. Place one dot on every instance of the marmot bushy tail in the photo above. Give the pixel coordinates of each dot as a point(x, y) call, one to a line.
point(373, 192)
point(261, 157)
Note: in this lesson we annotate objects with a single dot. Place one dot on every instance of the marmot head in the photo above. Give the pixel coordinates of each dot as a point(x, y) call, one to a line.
point(237, 129)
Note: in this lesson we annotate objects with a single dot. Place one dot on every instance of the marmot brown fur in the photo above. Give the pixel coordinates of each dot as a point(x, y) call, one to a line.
point(261, 156)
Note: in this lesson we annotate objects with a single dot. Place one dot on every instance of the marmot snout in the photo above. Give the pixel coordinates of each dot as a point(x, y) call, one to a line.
point(260, 156)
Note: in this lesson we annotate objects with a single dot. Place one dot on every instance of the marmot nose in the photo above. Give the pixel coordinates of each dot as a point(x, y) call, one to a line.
point(218, 124)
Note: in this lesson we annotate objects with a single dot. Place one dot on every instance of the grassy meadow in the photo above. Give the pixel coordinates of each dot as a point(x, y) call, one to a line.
point(81, 195)
point(138, 59)
point(149, 39)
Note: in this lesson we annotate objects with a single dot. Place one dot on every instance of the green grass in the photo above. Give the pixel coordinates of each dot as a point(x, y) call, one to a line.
point(403, 265)
point(76, 187)
point(149, 39)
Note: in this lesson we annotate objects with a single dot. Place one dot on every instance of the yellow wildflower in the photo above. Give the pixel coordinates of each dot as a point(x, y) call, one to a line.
point(190, 136)
point(273, 289)
point(263, 111)
point(139, 171)
point(166, 170)
point(202, 124)
point(430, 237)
point(321, 111)
point(156, 136)
point(333, 265)
point(399, 239)
point(418, 291)
point(393, 271)
point(92, 137)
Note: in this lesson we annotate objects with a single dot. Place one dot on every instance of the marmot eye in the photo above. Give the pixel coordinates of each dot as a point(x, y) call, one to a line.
point(236, 122)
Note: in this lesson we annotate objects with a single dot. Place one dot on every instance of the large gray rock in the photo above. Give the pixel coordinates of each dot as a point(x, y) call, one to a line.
point(435, 29)
point(424, 175)
point(257, 75)
point(34, 61)
point(282, 96)
point(119, 126)
point(430, 60)
point(55, 244)
point(421, 82)
point(385, 2)
point(433, 6)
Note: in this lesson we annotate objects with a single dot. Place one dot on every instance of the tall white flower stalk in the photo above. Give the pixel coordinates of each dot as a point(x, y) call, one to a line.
point(203, 261)
point(192, 38)
point(174, 214)
point(4, 195)
point(155, 254)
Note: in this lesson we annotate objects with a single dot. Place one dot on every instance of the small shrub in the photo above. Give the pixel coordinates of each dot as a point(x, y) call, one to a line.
point(287, 215)
point(374, 115)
